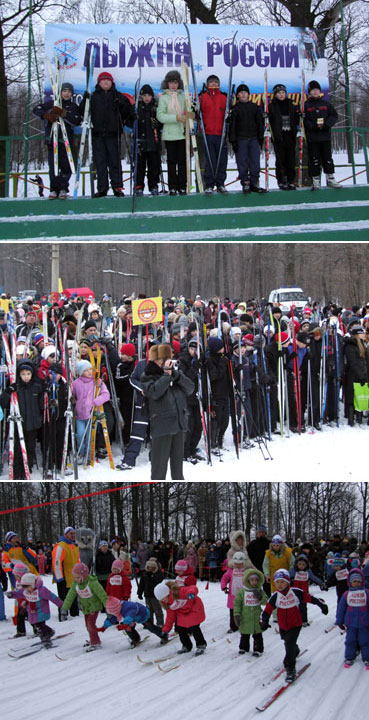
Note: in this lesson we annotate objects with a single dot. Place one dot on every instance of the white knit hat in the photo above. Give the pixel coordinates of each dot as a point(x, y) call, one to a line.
point(28, 579)
point(161, 591)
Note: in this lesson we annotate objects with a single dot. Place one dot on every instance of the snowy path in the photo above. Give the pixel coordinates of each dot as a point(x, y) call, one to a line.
point(218, 685)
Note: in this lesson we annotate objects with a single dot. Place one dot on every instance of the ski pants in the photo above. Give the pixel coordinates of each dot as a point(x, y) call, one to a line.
point(258, 642)
point(151, 160)
point(220, 407)
point(289, 638)
point(320, 155)
point(62, 593)
point(285, 158)
point(248, 160)
point(194, 431)
point(357, 638)
point(2, 605)
point(106, 154)
point(44, 631)
point(90, 622)
point(21, 616)
point(60, 181)
point(164, 448)
point(176, 163)
point(155, 609)
point(138, 434)
point(184, 636)
point(214, 147)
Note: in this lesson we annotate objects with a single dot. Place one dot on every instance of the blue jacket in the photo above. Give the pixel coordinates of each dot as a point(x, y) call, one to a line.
point(131, 612)
point(353, 607)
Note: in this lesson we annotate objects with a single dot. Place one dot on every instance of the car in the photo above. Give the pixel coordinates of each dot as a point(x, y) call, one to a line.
point(24, 294)
point(286, 297)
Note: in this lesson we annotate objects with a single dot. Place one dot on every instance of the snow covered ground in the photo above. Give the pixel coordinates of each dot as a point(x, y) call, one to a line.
point(220, 685)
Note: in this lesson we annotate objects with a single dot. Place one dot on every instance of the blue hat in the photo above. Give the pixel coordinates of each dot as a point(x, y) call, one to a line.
point(215, 344)
point(68, 529)
point(9, 536)
point(282, 574)
point(81, 366)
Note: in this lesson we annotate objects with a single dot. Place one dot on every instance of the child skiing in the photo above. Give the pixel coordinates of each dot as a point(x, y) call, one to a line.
point(319, 117)
point(353, 614)
point(231, 583)
point(338, 577)
point(35, 598)
point(92, 598)
point(247, 609)
point(246, 135)
point(186, 610)
point(149, 142)
point(185, 574)
point(301, 574)
point(287, 601)
point(20, 612)
point(125, 615)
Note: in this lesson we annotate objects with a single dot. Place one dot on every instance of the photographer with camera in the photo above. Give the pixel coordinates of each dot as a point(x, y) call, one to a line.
point(165, 389)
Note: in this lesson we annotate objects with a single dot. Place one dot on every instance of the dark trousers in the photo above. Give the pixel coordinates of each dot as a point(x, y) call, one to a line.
point(214, 147)
point(151, 160)
point(184, 636)
point(155, 609)
point(285, 158)
point(30, 437)
point(258, 642)
point(43, 630)
point(106, 154)
point(60, 181)
point(138, 434)
point(220, 422)
point(62, 593)
point(320, 155)
point(194, 431)
point(164, 448)
point(248, 160)
point(289, 638)
point(176, 161)
point(21, 620)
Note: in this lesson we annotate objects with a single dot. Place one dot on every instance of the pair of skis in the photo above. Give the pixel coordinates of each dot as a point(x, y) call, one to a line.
point(98, 414)
point(86, 125)
point(56, 84)
point(14, 417)
point(272, 698)
point(191, 141)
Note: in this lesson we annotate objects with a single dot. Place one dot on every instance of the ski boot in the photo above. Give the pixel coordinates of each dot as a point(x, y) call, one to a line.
point(208, 190)
point(191, 460)
point(316, 183)
point(242, 652)
point(348, 664)
point(290, 676)
point(183, 651)
point(19, 635)
point(221, 189)
point(91, 648)
point(256, 189)
point(200, 650)
point(124, 466)
point(101, 193)
point(331, 182)
point(245, 188)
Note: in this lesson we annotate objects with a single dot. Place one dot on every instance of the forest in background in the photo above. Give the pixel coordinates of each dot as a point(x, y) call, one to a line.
point(183, 511)
point(325, 271)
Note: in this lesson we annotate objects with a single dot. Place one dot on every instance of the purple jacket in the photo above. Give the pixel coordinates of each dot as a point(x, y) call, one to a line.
point(38, 607)
point(353, 607)
point(233, 579)
point(83, 391)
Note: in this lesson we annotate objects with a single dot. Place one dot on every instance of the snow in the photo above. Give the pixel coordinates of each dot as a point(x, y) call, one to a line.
point(216, 686)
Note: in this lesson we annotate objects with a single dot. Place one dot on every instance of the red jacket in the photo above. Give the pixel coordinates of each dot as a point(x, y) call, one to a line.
point(118, 585)
point(187, 578)
point(288, 606)
point(213, 105)
point(186, 612)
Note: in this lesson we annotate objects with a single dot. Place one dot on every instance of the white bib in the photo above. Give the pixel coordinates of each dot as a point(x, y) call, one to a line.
point(84, 592)
point(342, 574)
point(286, 601)
point(356, 598)
point(302, 576)
point(180, 580)
point(116, 580)
point(178, 604)
point(32, 596)
point(236, 582)
point(250, 599)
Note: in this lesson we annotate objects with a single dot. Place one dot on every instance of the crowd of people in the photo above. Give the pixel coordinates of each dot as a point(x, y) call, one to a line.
point(205, 366)
point(239, 120)
point(268, 573)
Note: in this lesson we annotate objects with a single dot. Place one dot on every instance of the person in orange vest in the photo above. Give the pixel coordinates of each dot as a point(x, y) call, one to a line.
point(15, 552)
point(64, 556)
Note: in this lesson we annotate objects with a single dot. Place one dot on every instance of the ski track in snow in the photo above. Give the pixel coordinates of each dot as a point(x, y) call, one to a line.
point(216, 686)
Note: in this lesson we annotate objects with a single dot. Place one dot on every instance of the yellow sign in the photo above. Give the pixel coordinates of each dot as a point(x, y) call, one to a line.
point(147, 310)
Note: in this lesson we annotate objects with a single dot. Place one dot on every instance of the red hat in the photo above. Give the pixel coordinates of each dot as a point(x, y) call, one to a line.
point(176, 345)
point(283, 336)
point(104, 76)
point(249, 340)
point(308, 311)
point(128, 349)
point(296, 324)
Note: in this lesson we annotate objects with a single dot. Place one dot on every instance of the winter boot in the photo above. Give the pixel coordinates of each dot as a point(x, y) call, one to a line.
point(256, 189)
point(291, 186)
point(154, 191)
point(332, 182)
point(221, 189)
point(139, 192)
point(350, 415)
point(183, 650)
point(283, 185)
point(290, 675)
point(118, 192)
point(348, 663)
point(124, 466)
point(53, 195)
point(91, 648)
point(200, 650)
point(63, 195)
point(316, 183)
point(208, 190)
point(245, 188)
point(101, 193)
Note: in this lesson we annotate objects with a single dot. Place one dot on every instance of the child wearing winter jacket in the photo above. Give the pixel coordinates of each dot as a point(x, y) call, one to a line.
point(172, 114)
point(35, 598)
point(186, 610)
point(231, 583)
point(20, 612)
point(151, 576)
point(86, 402)
point(125, 615)
point(353, 614)
point(301, 575)
point(118, 584)
point(319, 118)
point(339, 576)
point(92, 598)
point(246, 134)
point(287, 601)
point(149, 142)
point(247, 610)
point(185, 574)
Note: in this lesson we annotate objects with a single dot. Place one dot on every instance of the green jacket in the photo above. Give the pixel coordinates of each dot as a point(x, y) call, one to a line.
point(249, 614)
point(172, 130)
point(92, 596)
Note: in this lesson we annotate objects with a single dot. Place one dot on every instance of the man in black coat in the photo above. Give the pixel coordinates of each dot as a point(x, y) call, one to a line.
point(257, 548)
point(166, 390)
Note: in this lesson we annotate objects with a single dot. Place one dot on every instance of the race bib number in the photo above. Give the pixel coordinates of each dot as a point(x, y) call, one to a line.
point(32, 596)
point(287, 601)
point(356, 598)
point(84, 592)
point(302, 576)
point(342, 574)
point(116, 580)
point(251, 600)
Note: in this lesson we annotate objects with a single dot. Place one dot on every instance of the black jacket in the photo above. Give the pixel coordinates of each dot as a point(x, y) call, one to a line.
point(319, 108)
point(167, 400)
point(279, 109)
point(218, 374)
point(190, 367)
point(356, 368)
point(148, 127)
point(104, 562)
point(110, 110)
point(245, 121)
point(30, 399)
point(148, 582)
point(71, 119)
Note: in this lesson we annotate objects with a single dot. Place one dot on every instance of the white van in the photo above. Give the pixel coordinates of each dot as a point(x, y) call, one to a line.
point(288, 296)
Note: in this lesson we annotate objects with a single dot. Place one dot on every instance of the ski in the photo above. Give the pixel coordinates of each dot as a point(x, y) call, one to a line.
point(90, 66)
point(300, 133)
point(133, 646)
point(42, 646)
point(328, 630)
point(282, 670)
point(36, 644)
point(69, 423)
point(98, 412)
point(281, 690)
point(191, 128)
point(167, 670)
point(267, 133)
point(56, 90)
point(156, 660)
point(228, 104)
point(14, 414)
point(134, 151)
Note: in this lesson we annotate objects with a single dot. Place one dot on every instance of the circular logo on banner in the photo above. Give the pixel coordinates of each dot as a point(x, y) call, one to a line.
point(147, 310)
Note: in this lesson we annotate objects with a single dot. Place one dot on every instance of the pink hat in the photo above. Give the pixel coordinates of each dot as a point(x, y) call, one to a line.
point(80, 569)
point(20, 568)
point(113, 606)
point(181, 565)
point(117, 564)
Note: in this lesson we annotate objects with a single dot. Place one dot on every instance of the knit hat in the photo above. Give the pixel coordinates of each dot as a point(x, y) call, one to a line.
point(261, 528)
point(89, 324)
point(212, 78)
point(117, 564)
point(80, 569)
point(278, 88)
point(28, 579)
point(215, 344)
point(81, 366)
point(37, 338)
point(113, 606)
point(68, 530)
point(10, 535)
point(249, 340)
point(181, 565)
point(242, 88)
point(314, 85)
point(47, 351)
point(239, 557)
point(277, 540)
point(102, 543)
point(67, 86)
point(194, 342)
point(146, 90)
point(282, 574)
point(355, 574)
point(25, 364)
point(105, 76)
point(56, 368)
point(161, 591)
point(338, 561)
point(128, 349)
point(20, 568)
point(284, 337)
point(303, 337)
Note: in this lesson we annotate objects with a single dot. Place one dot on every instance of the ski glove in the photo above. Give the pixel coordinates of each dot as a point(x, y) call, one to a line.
point(342, 627)
point(264, 625)
point(237, 620)
point(323, 607)
point(50, 116)
point(86, 95)
point(10, 389)
point(235, 147)
point(164, 637)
